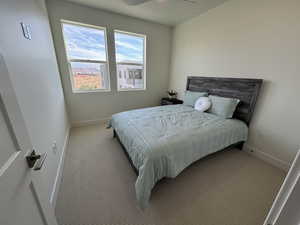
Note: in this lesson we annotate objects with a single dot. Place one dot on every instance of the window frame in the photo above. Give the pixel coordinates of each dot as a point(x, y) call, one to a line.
point(135, 64)
point(69, 61)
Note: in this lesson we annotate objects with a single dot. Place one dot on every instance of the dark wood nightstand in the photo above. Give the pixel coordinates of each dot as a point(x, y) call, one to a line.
point(170, 101)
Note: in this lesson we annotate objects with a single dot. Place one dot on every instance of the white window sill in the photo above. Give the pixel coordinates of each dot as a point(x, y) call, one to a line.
point(133, 89)
point(91, 91)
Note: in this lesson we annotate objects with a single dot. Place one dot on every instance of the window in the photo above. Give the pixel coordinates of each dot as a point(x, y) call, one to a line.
point(86, 51)
point(130, 59)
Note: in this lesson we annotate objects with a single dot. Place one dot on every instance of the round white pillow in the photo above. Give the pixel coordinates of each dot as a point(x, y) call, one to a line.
point(202, 104)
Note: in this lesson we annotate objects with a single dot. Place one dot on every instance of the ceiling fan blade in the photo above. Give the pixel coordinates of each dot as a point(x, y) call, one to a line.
point(135, 2)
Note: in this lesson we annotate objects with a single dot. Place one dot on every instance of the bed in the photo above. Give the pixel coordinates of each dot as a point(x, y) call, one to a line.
point(162, 141)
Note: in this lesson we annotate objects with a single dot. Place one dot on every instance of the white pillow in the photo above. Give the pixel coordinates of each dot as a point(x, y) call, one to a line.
point(202, 104)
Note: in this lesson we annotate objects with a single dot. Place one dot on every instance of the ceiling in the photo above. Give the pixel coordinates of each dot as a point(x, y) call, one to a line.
point(168, 12)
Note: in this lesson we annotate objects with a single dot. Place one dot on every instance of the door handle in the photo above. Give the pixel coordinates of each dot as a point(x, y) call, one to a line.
point(36, 161)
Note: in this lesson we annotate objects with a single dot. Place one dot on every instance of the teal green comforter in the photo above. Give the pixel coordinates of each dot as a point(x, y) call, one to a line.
point(164, 140)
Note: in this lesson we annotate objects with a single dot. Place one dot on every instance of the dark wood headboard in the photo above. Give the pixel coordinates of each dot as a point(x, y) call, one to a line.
point(247, 90)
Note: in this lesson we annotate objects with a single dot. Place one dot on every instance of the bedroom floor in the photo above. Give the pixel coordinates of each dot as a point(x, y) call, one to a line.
point(229, 187)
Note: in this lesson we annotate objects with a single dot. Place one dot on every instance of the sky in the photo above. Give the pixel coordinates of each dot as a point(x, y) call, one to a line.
point(89, 43)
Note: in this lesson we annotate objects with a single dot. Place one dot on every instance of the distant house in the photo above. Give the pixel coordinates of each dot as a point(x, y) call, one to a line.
point(130, 75)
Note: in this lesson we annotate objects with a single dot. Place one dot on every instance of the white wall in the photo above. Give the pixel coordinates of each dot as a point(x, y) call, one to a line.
point(255, 39)
point(100, 105)
point(35, 77)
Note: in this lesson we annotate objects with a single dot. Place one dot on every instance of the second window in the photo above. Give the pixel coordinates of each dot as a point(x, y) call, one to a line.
point(130, 52)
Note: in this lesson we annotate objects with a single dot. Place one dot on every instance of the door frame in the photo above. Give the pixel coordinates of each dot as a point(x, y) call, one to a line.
point(284, 192)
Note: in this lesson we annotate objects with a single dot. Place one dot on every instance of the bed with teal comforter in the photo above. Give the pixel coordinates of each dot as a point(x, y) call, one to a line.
point(162, 141)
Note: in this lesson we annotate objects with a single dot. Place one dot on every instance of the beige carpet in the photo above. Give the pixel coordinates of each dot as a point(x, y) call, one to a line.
point(226, 188)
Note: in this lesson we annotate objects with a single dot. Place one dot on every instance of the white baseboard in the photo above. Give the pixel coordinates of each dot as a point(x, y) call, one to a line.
point(89, 122)
point(59, 172)
point(267, 157)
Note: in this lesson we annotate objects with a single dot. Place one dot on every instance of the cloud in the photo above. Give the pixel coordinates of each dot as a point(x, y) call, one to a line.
point(128, 45)
point(129, 48)
point(125, 58)
point(76, 52)
point(89, 43)
point(84, 42)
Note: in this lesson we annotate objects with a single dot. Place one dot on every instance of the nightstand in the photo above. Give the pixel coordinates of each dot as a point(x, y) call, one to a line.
point(170, 101)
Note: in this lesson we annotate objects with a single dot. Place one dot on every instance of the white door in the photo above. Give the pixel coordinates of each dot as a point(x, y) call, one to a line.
point(290, 214)
point(22, 201)
point(286, 207)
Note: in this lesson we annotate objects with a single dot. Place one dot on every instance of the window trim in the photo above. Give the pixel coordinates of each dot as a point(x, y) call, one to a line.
point(144, 60)
point(69, 60)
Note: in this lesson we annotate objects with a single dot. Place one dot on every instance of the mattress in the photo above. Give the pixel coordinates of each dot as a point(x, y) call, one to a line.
point(162, 141)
